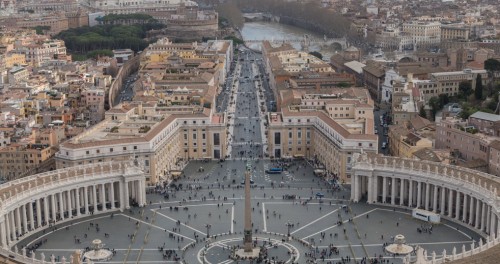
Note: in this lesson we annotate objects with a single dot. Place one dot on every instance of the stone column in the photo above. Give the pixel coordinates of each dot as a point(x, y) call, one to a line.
point(18, 221)
point(53, 200)
point(478, 205)
point(77, 201)
point(142, 191)
point(121, 194)
point(442, 208)
point(12, 225)
point(492, 223)
point(483, 216)
point(384, 189)
point(487, 216)
point(435, 199)
point(132, 190)
point(70, 208)
point(3, 233)
point(94, 197)
point(464, 210)
point(112, 194)
point(375, 188)
point(24, 218)
point(370, 190)
point(419, 193)
point(38, 213)
point(393, 191)
point(427, 198)
point(86, 199)
point(450, 203)
point(46, 209)
point(471, 210)
point(457, 206)
point(402, 192)
point(410, 193)
point(127, 198)
point(31, 215)
point(103, 198)
point(61, 205)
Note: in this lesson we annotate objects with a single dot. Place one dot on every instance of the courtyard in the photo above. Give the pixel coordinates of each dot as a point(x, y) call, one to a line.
point(323, 225)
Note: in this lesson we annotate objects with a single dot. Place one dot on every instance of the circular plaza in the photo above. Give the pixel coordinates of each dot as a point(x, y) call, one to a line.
point(297, 217)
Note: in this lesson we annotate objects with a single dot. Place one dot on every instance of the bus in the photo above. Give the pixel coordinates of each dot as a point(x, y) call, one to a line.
point(274, 171)
point(426, 216)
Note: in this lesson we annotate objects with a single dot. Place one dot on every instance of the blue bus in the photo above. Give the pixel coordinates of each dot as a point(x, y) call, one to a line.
point(274, 170)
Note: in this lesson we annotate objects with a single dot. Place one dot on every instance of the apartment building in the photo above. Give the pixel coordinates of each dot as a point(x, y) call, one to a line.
point(38, 51)
point(462, 138)
point(448, 82)
point(16, 159)
point(455, 32)
point(423, 33)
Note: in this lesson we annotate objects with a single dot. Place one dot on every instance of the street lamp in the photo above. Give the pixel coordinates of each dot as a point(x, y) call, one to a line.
point(289, 226)
point(208, 226)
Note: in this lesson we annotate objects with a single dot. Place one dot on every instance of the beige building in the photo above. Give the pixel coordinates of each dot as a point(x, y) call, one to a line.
point(423, 33)
point(160, 142)
point(455, 32)
point(448, 82)
point(17, 159)
point(460, 137)
point(494, 158)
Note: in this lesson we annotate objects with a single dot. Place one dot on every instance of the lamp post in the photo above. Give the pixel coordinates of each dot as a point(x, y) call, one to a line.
point(208, 226)
point(289, 226)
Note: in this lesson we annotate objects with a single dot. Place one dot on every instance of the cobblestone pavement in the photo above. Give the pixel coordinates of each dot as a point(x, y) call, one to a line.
point(137, 234)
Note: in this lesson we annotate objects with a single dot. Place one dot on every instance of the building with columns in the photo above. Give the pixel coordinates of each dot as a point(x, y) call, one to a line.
point(33, 203)
point(458, 194)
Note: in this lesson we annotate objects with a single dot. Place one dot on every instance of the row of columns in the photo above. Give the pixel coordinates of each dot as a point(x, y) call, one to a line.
point(46, 211)
point(450, 202)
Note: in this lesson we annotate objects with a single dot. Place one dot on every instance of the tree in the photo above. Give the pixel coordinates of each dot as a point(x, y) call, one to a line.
point(478, 92)
point(492, 66)
point(434, 104)
point(422, 112)
point(464, 90)
point(316, 54)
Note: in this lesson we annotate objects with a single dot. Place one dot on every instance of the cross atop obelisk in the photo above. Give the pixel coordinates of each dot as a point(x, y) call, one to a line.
point(247, 239)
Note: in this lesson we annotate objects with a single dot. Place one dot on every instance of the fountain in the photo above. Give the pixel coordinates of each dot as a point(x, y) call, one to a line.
point(399, 246)
point(97, 253)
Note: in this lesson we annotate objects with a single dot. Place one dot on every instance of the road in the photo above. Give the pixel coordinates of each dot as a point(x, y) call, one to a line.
point(127, 91)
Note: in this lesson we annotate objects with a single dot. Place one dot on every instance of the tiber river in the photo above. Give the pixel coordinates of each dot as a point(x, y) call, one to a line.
point(276, 31)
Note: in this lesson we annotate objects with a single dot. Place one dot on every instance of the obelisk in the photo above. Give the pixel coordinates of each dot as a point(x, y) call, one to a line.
point(247, 239)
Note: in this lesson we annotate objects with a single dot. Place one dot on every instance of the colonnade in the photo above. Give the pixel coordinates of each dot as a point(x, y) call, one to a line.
point(459, 194)
point(80, 195)
point(449, 201)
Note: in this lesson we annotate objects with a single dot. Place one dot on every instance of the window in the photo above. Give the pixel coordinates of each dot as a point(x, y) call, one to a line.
point(194, 136)
point(87, 152)
point(110, 149)
point(216, 139)
point(277, 138)
point(97, 151)
point(124, 148)
point(135, 147)
point(203, 136)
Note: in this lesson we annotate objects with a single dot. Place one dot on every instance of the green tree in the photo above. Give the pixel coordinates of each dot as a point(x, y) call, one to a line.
point(478, 92)
point(316, 54)
point(464, 89)
point(434, 104)
point(422, 112)
point(492, 66)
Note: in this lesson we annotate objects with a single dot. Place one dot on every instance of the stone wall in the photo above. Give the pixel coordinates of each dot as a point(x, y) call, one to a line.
point(128, 68)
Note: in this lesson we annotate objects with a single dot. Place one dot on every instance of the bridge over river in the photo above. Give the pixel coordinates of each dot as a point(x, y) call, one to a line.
point(305, 41)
